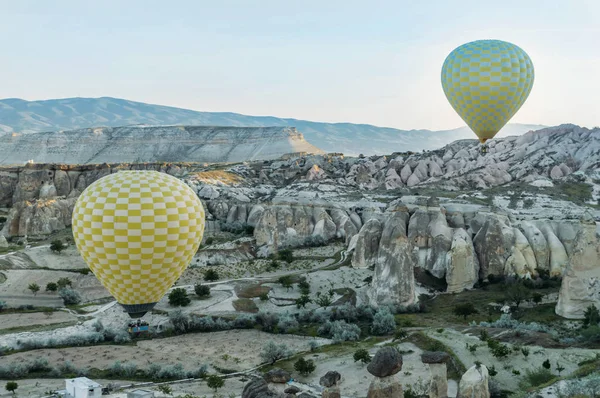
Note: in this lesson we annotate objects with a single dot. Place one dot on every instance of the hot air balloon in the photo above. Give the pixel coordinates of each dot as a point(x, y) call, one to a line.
point(138, 231)
point(486, 82)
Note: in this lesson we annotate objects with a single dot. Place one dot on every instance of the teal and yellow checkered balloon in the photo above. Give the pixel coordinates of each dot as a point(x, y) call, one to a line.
point(486, 82)
point(138, 231)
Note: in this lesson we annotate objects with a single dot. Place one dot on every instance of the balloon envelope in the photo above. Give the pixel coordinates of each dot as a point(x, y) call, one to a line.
point(486, 82)
point(138, 231)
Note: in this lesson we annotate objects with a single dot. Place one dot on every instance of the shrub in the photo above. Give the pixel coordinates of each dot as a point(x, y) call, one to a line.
point(2, 305)
point(271, 352)
point(267, 320)
point(323, 300)
point(517, 293)
point(537, 377)
point(537, 297)
point(273, 265)
point(244, 321)
point(57, 246)
point(304, 367)
point(591, 316)
point(500, 350)
point(286, 255)
point(264, 296)
point(384, 322)
point(178, 297)
point(69, 296)
point(546, 364)
point(215, 382)
point(165, 389)
point(202, 291)
point(172, 372)
point(287, 323)
point(591, 334)
point(362, 355)
point(209, 241)
point(304, 286)
point(303, 300)
point(180, 321)
point(286, 281)
point(525, 351)
point(211, 275)
point(64, 282)
point(400, 334)
point(51, 287)
point(464, 310)
point(492, 371)
point(34, 287)
point(339, 331)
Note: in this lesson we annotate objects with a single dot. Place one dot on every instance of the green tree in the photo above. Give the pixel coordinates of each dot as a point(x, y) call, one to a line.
point(362, 355)
point(304, 367)
point(178, 297)
point(286, 281)
point(202, 291)
point(323, 300)
point(464, 310)
point(215, 382)
point(591, 316)
point(286, 255)
point(211, 275)
point(303, 300)
point(51, 287)
point(304, 286)
point(57, 246)
point(34, 287)
point(559, 368)
point(272, 352)
point(11, 386)
point(546, 364)
point(537, 297)
point(64, 282)
point(517, 293)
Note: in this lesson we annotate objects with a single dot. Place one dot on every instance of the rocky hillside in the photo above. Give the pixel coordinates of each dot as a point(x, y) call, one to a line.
point(153, 143)
point(528, 208)
point(17, 115)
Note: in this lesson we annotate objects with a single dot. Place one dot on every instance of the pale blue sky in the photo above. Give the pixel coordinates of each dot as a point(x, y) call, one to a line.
point(375, 62)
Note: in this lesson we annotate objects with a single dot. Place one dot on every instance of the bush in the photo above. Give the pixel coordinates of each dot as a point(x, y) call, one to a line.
point(202, 291)
point(209, 241)
point(211, 275)
point(304, 286)
point(69, 296)
point(286, 255)
point(591, 334)
point(272, 352)
point(339, 331)
point(267, 320)
point(64, 282)
point(2, 305)
point(215, 382)
point(591, 316)
point(323, 300)
point(286, 281)
point(287, 323)
point(51, 287)
point(537, 377)
point(180, 321)
point(303, 300)
point(384, 322)
point(178, 297)
point(537, 297)
point(362, 355)
point(304, 367)
point(464, 310)
point(57, 246)
point(546, 364)
point(517, 293)
point(34, 287)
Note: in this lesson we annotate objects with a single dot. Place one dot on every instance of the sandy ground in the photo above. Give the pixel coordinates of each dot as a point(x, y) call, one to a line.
point(9, 321)
point(234, 349)
point(69, 258)
point(568, 358)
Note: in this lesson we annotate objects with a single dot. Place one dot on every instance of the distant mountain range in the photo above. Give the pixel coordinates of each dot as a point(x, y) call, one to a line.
point(17, 115)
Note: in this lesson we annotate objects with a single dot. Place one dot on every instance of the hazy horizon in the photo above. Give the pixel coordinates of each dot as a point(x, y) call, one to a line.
point(377, 63)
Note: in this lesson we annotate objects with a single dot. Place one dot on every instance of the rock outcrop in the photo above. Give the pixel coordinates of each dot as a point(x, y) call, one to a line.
point(366, 251)
point(438, 388)
point(474, 383)
point(581, 282)
point(462, 270)
point(278, 376)
point(259, 388)
point(386, 363)
point(331, 385)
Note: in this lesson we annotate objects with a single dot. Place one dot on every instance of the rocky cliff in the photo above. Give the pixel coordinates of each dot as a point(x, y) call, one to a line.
point(153, 143)
point(516, 211)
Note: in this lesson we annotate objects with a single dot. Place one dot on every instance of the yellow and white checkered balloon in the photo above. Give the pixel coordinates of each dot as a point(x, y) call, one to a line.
point(486, 82)
point(138, 231)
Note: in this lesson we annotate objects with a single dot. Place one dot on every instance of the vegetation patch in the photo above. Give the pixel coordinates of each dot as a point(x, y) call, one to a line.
point(245, 305)
point(455, 367)
point(253, 290)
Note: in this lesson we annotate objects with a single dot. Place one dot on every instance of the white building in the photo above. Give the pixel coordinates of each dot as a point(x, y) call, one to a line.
point(82, 387)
